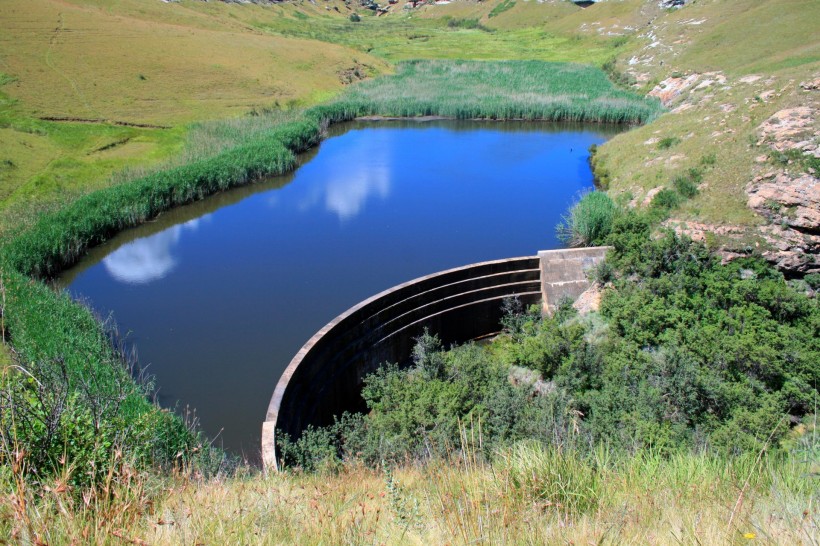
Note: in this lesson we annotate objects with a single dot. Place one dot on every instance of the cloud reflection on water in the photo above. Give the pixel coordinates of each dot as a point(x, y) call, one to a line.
point(365, 172)
point(147, 259)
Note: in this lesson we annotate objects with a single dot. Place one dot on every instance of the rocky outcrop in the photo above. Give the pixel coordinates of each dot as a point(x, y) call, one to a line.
point(589, 301)
point(671, 88)
point(790, 250)
point(791, 129)
point(787, 201)
point(788, 192)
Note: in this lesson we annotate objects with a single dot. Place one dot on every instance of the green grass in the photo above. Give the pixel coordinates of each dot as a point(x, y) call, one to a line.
point(589, 221)
point(753, 36)
point(401, 37)
point(500, 90)
point(501, 8)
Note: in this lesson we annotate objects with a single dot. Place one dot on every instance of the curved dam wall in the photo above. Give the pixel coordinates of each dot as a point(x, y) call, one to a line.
point(325, 377)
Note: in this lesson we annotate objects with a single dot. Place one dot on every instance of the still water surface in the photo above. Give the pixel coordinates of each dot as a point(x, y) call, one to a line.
point(217, 296)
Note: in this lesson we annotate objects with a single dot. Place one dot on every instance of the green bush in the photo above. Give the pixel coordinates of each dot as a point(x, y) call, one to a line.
point(467, 24)
point(685, 186)
point(667, 142)
point(666, 200)
point(589, 221)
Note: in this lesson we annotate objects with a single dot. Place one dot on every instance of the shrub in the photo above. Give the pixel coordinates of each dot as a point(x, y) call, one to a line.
point(685, 186)
point(589, 221)
point(666, 200)
point(467, 24)
point(667, 142)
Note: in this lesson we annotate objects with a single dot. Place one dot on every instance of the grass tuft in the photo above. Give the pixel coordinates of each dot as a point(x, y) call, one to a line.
point(589, 221)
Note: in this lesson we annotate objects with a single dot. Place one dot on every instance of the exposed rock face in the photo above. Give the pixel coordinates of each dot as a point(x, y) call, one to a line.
point(787, 201)
point(792, 251)
point(671, 88)
point(790, 129)
point(589, 301)
point(789, 195)
point(667, 4)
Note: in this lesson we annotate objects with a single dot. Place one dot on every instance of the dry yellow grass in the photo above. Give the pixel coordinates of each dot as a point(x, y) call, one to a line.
point(685, 500)
point(78, 60)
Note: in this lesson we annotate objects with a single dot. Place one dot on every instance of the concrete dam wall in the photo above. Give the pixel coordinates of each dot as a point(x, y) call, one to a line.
point(325, 377)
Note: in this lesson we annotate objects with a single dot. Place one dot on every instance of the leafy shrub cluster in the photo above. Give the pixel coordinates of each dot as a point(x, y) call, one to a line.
point(622, 79)
point(667, 142)
point(684, 186)
point(421, 412)
point(470, 24)
point(686, 353)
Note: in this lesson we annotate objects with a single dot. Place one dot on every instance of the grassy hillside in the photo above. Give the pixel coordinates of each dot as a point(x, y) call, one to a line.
point(157, 66)
point(747, 60)
point(136, 73)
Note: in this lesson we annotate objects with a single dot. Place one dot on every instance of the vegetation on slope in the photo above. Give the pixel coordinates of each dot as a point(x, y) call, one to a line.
point(747, 60)
point(529, 495)
point(685, 354)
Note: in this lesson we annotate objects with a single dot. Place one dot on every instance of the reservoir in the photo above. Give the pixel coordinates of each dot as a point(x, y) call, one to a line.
point(217, 296)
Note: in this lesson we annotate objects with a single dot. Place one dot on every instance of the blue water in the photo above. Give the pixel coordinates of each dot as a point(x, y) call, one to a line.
point(218, 296)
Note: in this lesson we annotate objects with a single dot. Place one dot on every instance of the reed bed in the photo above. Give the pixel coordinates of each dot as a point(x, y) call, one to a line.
point(526, 90)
